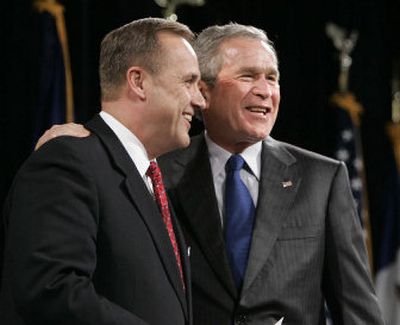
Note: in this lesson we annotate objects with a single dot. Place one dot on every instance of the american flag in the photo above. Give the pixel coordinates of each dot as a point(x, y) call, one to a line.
point(348, 148)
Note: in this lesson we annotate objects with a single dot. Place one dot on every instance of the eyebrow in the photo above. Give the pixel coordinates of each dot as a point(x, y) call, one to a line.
point(192, 76)
point(257, 70)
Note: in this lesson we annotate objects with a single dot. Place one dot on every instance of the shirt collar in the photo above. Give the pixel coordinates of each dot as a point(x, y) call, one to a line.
point(131, 143)
point(219, 156)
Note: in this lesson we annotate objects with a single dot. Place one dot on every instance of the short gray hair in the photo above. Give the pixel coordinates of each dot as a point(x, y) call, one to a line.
point(209, 41)
point(135, 43)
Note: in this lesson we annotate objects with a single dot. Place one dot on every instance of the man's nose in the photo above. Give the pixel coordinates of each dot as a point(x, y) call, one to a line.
point(198, 100)
point(263, 88)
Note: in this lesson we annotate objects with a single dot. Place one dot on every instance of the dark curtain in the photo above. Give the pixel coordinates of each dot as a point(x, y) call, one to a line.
point(308, 64)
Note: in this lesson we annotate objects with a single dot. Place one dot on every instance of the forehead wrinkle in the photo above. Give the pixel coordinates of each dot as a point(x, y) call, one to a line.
point(258, 69)
point(240, 57)
point(254, 69)
point(230, 54)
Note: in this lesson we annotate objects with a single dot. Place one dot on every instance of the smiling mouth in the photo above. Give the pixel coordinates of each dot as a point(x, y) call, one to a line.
point(259, 110)
point(187, 116)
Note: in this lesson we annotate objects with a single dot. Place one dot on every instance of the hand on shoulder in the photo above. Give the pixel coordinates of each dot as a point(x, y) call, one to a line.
point(70, 129)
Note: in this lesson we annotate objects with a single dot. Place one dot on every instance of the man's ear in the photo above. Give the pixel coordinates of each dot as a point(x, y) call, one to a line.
point(135, 77)
point(205, 91)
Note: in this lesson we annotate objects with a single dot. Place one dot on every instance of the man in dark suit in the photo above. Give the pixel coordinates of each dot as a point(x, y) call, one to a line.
point(305, 244)
point(86, 242)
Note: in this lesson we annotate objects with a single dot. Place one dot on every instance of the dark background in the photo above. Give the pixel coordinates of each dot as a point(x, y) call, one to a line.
point(308, 65)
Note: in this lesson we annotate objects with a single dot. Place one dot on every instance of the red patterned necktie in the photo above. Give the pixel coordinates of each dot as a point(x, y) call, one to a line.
point(154, 173)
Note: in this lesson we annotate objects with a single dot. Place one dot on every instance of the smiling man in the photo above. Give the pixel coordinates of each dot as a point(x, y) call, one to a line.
point(272, 228)
point(245, 95)
point(90, 238)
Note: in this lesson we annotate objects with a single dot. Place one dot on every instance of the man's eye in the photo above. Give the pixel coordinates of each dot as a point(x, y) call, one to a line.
point(273, 78)
point(246, 76)
point(190, 81)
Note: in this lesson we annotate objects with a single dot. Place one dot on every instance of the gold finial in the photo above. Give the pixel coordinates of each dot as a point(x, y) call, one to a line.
point(171, 5)
point(345, 45)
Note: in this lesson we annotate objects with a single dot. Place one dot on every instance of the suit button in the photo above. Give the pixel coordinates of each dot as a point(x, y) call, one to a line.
point(241, 319)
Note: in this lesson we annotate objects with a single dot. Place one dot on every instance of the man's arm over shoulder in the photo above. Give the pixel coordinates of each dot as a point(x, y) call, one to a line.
point(71, 129)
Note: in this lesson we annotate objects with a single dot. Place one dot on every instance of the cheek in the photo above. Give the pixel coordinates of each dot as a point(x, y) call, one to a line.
point(182, 98)
point(176, 103)
point(276, 97)
point(179, 104)
point(231, 102)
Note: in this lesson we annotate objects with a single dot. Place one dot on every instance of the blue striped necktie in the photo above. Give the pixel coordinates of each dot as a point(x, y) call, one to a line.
point(239, 218)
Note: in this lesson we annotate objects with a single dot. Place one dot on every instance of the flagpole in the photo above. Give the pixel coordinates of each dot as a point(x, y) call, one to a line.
point(345, 100)
point(57, 11)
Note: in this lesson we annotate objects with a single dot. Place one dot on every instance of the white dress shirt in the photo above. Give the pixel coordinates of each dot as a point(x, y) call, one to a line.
point(218, 158)
point(132, 145)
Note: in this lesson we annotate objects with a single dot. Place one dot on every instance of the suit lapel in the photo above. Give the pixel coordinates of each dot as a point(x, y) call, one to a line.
point(184, 260)
point(143, 202)
point(278, 186)
point(153, 220)
point(197, 197)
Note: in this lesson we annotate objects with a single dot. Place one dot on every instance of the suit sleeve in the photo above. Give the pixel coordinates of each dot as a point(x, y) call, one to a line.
point(52, 229)
point(347, 283)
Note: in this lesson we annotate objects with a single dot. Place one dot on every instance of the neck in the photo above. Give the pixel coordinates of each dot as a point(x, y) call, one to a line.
point(130, 117)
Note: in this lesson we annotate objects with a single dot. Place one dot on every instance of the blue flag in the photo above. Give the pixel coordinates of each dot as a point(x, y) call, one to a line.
point(347, 151)
point(51, 96)
point(54, 83)
point(347, 147)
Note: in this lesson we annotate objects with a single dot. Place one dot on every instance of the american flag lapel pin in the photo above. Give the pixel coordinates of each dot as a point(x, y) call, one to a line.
point(286, 184)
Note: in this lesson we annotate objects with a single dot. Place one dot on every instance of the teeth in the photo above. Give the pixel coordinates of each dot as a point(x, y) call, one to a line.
point(187, 116)
point(258, 110)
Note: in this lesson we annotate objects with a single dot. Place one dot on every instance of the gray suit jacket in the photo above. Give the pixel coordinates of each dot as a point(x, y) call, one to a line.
point(307, 244)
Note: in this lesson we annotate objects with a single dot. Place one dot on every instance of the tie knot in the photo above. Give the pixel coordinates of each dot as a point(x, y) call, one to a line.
point(153, 171)
point(234, 163)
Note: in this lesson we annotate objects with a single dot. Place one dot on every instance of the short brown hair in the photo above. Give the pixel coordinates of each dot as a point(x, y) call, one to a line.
point(135, 43)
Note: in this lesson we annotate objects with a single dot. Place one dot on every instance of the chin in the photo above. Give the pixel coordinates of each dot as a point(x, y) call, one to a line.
point(255, 137)
point(183, 142)
point(262, 134)
point(186, 143)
